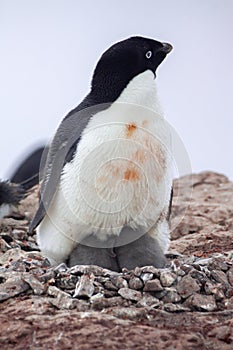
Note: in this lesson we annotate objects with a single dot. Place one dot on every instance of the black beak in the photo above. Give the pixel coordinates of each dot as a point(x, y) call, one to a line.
point(166, 48)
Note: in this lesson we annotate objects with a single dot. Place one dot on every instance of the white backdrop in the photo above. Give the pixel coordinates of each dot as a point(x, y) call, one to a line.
point(49, 49)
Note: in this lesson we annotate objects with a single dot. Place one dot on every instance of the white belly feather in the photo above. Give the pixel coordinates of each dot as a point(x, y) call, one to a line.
point(120, 174)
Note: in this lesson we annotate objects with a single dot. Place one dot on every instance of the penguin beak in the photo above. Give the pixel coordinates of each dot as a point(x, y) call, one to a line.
point(166, 48)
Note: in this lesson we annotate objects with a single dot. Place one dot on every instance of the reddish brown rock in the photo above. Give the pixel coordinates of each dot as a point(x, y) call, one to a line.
point(187, 286)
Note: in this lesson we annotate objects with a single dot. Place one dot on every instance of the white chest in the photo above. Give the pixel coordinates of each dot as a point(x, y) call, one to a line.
point(120, 174)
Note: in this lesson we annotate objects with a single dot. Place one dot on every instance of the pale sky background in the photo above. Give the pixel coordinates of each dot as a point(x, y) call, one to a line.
point(48, 50)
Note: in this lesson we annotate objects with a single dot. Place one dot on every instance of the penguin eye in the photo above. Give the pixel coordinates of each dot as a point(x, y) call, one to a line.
point(148, 54)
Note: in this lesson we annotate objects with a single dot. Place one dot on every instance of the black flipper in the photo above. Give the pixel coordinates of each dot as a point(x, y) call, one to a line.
point(61, 151)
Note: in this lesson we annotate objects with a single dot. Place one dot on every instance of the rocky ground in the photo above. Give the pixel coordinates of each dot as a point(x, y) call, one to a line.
point(188, 305)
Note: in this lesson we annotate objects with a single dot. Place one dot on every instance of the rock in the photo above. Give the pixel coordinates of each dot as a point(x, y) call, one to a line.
point(13, 285)
point(230, 276)
point(219, 276)
point(169, 307)
point(85, 287)
point(199, 276)
point(110, 293)
point(159, 295)
point(167, 278)
point(171, 297)
point(63, 300)
point(153, 286)
point(201, 302)
point(88, 269)
point(66, 281)
point(12, 255)
point(130, 294)
point(215, 289)
point(145, 276)
point(56, 292)
point(19, 234)
point(4, 246)
point(150, 269)
point(109, 285)
point(218, 264)
point(202, 262)
point(148, 300)
point(186, 268)
point(98, 288)
point(119, 282)
point(209, 287)
point(37, 287)
point(60, 268)
point(64, 303)
point(47, 277)
point(187, 286)
point(135, 283)
point(102, 303)
point(229, 303)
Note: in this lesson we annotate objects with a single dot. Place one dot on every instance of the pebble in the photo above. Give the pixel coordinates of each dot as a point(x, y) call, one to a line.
point(187, 286)
point(230, 276)
point(66, 281)
point(198, 275)
point(167, 278)
point(13, 285)
point(171, 297)
point(119, 282)
point(153, 286)
point(151, 269)
point(4, 246)
point(60, 268)
point(201, 302)
point(219, 276)
point(186, 268)
point(87, 269)
point(56, 292)
point(63, 300)
point(145, 276)
point(110, 293)
point(135, 283)
point(37, 287)
point(148, 300)
point(130, 294)
point(109, 285)
point(169, 307)
point(101, 302)
point(84, 287)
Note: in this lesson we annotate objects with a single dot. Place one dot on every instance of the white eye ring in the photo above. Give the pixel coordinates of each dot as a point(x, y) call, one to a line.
point(148, 54)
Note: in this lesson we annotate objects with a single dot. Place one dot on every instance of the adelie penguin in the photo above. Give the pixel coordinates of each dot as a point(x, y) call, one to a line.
point(106, 188)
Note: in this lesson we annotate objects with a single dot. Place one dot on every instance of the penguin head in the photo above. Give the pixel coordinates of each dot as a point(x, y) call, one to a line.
point(125, 60)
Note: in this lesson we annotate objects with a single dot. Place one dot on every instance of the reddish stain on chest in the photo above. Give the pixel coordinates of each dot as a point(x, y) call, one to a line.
point(139, 156)
point(131, 175)
point(130, 129)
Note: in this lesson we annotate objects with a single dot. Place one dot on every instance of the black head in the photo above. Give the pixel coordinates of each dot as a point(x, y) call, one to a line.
point(122, 62)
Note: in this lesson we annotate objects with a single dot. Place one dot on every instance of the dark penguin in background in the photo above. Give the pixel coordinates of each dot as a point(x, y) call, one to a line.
point(107, 183)
point(10, 196)
point(25, 176)
point(27, 172)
